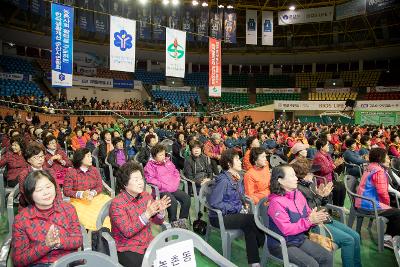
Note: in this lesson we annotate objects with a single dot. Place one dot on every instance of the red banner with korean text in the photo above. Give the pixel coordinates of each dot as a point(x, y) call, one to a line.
point(214, 75)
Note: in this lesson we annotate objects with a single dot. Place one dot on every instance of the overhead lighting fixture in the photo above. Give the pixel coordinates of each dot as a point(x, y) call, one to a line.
point(229, 7)
point(195, 3)
point(11, 44)
point(165, 2)
point(204, 4)
point(143, 2)
point(221, 6)
point(292, 8)
point(175, 2)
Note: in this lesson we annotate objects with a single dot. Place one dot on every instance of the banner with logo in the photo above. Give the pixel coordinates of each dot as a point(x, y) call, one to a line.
point(116, 7)
point(202, 25)
point(216, 18)
point(333, 90)
point(173, 21)
point(122, 44)
point(378, 5)
point(377, 117)
point(158, 22)
point(234, 90)
point(38, 7)
point(310, 105)
point(379, 105)
point(278, 90)
point(92, 82)
point(188, 23)
point(101, 23)
point(175, 46)
point(144, 18)
point(88, 59)
point(305, 15)
point(86, 71)
point(62, 34)
point(214, 72)
point(128, 84)
point(230, 26)
point(175, 88)
point(267, 28)
point(15, 76)
point(251, 27)
point(85, 18)
point(350, 9)
point(382, 89)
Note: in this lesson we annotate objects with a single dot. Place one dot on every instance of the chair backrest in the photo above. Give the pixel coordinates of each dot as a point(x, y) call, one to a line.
point(88, 258)
point(205, 190)
point(261, 212)
point(350, 183)
point(275, 160)
point(164, 239)
point(103, 214)
point(396, 248)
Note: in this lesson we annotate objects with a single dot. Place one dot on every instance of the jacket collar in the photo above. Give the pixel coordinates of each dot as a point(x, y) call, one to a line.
point(34, 212)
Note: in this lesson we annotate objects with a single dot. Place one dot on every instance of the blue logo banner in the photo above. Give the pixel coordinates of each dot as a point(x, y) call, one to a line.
point(123, 84)
point(62, 32)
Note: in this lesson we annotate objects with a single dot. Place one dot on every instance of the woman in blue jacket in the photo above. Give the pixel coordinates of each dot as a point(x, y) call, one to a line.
point(227, 196)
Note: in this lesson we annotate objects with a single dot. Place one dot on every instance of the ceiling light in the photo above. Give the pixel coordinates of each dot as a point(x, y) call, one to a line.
point(165, 2)
point(292, 8)
point(221, 6)
point(229, 7)
point(204, 4)
point(175, 2)
point(143, 2)
point(195, 3)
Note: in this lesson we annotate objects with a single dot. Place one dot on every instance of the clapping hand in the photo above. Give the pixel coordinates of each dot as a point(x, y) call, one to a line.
point(53, 237)
point(325, 190)
point(165, 202)
point(318, 217)
point(87, 195)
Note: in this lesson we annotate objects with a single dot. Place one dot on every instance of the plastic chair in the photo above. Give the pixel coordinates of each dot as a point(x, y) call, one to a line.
point(275, 160)
point(261, 219)
point(396, 248)
point(227, 235)
point(95, 155)
point(348, 165)
point(10, 206)
point(165, 238)
point(89, 258)
point(350, 183)
point(194, 190)
point(4, 192)
point(111, 172)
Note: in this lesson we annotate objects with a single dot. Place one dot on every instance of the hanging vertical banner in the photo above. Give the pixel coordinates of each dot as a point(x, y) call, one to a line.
point(251, 27)
point(101, 23)
point(85, 18)
point(202, 25)
point(216, 18)
point(230, 26)
point(122, 44)
point(175, 46)
point(158, 23)
point(37, 7)
point(144, 23)
point(267, 28)
point(174, 19)
point(188, 23)
point(214, 72)
point(62, 34)
point(128, 9)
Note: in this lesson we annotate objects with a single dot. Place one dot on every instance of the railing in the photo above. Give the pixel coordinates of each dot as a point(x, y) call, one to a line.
point(122, 114)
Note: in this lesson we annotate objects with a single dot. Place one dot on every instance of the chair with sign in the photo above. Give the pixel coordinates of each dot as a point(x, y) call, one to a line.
point(165, 239)
point(350, 183)
point(227, 235)
point(88, 258)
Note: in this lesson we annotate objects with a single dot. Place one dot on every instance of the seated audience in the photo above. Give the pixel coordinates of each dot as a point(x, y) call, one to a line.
point(79, 140)
point(93, 142)
point(251, 142)
point(144, 153)
point(130, 143)
point(161, 172)
point(47, 229)
point(291, 217)
point(394, 146)
point(213, 149)
point(56, 159)
point(14, 161)
point(131, 215)
point(118, 156)
point(178, 148)
point(351, 155)
point(256, 180)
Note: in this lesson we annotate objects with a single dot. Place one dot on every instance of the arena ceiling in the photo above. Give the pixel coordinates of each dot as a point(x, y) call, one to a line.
point(378, 29)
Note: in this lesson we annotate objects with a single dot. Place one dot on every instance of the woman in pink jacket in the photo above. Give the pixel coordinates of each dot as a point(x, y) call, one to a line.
point(160, 171)
point(291, 217)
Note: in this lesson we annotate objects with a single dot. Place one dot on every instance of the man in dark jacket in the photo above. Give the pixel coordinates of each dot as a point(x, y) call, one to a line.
point(144, 154)
point(353, 157)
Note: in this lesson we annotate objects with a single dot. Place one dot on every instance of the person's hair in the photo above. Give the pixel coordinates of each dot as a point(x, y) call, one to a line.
point(157, 149)
point(277, 172)
point(227, 157)
point(350, 142)
point(255, 152)
point(127, 131)
point(79, 155)
point(77, 129)
point(320, 143)
point(125, 171)
point(195, 143)
point(250, 140)
point(396, 163)
point(364, 139)
point(312, 140)
point(31, 181)
point(116, 140)
point(355, 134)
point(33, 150)
point(392, 137)
point(48, 139)
point(17, 139)
point(103, 134)
point(178, 134)
point(377, 155)
point(149, 137)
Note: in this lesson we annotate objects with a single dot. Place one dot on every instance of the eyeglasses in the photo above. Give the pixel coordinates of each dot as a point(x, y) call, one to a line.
point(38, 157)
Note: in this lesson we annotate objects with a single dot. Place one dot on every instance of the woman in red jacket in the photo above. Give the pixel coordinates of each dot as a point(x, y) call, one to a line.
point(132, 213)
point(56, 159)
point(14, 160)
point(47, 229)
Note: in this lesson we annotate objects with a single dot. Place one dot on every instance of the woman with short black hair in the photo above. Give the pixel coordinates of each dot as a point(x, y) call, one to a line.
point(83, 184)
point(131, 215)
point(47, 229)
point(14, 160)
point(56, 159)
point(227, 196)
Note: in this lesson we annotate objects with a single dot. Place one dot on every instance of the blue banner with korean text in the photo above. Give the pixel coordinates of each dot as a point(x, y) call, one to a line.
point(62, 25)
